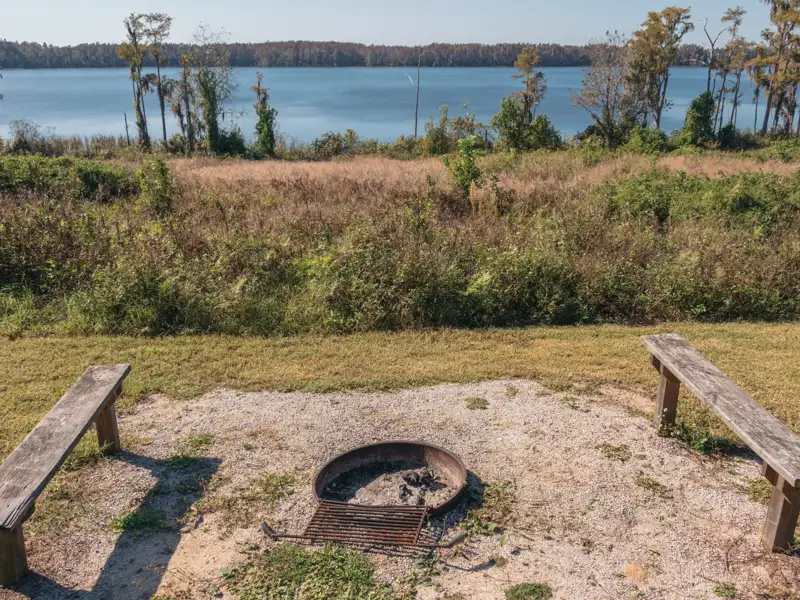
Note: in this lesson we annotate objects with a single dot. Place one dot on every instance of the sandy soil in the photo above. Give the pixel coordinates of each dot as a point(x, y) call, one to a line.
point(586, 523)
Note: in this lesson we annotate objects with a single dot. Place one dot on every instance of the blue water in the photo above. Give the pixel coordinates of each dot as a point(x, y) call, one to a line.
point(376, 102)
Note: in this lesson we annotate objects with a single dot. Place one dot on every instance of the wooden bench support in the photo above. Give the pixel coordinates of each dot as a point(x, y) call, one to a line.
point(784, 509)
point(107, 430)
point(667, 399)
point(13, 561)
point(26, 471)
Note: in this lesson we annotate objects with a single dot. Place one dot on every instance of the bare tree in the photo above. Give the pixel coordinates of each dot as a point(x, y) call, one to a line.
point(602, 93)
point(712, 58)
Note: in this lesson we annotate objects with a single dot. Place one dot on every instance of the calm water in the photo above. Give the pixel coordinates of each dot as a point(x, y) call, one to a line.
point(376, 102)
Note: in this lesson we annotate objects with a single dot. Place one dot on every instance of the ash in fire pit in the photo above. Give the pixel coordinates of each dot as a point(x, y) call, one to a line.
point(390, 483)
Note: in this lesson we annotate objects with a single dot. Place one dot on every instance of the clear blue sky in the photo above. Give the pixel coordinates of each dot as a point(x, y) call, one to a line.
point(369, 21)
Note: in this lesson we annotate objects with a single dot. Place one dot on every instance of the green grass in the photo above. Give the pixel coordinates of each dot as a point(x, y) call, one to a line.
point(759, 490)
point(289, 572)
point(725, 589)
point(141, 521)
point(198, 444)
point(241, 506)
point(35, 372)
point(529, 591)
point(619, 453)
point(653, 486)
point(476, 403)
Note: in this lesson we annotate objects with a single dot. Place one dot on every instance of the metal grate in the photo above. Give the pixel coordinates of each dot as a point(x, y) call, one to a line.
point(356, 524)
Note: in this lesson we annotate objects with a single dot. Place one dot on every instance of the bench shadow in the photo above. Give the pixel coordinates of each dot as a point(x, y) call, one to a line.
point(150, 534)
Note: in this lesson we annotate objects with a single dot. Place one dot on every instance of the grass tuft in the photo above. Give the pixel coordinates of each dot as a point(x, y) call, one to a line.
point(142, 521)
point(475, 403)
point(759, 490)
point(725, 589)
point(288, 572)
point(622, 453)
point(529, 591)
point(651, 485)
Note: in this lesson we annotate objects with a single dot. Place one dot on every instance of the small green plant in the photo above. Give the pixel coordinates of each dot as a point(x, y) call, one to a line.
point(288, 572)
point(197, 444)
point(529, 591)
point(155, 182)
point(759, 490)
point(697, 438)
point(476, 403)
point(496, 511)
point(725, 589)
point(464, 172)
point(144, 520)
point(621, 453)
point(651, 485)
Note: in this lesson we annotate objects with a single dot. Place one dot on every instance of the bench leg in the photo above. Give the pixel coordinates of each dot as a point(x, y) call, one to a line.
point(782, 514)
point(107, 430)
point(667, 400)
point(13, 561)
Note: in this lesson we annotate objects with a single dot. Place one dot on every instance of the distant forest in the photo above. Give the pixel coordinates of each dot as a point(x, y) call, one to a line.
point(27, 55)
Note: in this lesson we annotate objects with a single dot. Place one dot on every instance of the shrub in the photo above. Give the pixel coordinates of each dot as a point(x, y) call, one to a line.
point(543, 135)
point(698, 128)
point(464, 171)
point(647, 141)
point(155, 182)
point(437, 138)
point(72, 177)
point(231, 143)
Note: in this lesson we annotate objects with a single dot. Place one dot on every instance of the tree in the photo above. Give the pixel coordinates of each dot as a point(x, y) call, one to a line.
point(213, 84)
point(133, 51)
point(698, 128)
point(181, 96)
point(510, 124)
point(265, 125)
point(655, 48)
point(535, 85)
point(732, 62)
point(602, 93)
point(712, 56)
point(755, 70)
point(157, 27)
point(780, 69)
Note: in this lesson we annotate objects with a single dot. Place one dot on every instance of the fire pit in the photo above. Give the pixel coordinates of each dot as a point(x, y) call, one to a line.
point(394, 473)
point(382, 494)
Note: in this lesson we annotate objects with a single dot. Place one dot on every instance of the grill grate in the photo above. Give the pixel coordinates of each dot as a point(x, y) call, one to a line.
point(356, 524)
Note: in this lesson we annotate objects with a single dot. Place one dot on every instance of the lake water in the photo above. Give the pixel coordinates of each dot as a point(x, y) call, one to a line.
point(376, 102)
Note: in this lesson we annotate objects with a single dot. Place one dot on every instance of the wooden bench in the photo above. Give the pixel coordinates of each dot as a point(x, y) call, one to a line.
point(28, 469)
point(678, 362)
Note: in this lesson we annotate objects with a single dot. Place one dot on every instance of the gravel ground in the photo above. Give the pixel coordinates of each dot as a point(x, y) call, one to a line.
point(662, 523)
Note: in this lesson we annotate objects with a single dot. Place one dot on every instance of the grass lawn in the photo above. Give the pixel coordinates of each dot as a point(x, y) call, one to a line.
point(35, 372)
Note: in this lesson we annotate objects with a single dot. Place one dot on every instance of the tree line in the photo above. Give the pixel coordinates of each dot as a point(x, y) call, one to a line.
point(29, 55)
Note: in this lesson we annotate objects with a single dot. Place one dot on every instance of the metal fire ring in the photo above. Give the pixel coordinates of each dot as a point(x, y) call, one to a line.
point(444, 462)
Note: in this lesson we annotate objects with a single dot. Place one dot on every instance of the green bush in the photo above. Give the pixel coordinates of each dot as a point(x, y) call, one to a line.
point(155, 182)
point(698, 128)
point(543, 135)
point(647, 141)
point(464, 170)
point(71, 177)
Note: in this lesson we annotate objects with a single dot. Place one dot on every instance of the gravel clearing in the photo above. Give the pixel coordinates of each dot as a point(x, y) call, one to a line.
point(604, 507)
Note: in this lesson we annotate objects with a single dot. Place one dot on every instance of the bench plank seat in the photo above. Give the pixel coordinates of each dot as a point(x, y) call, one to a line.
point(761, 431)
point(27, 470)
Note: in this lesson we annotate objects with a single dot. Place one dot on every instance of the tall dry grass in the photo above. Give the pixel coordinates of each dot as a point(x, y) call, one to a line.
point(374, 243)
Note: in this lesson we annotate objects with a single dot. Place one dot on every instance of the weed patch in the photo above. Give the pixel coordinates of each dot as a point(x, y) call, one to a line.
point(475, 403)
point(140, 522)
point(653, 486)
point(759, 490)
point(289, 572)
point(496, 511)
point(529, 591)
point(619, 453)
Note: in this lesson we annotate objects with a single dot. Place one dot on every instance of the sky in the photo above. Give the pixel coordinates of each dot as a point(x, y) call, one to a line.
point(406, 22)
